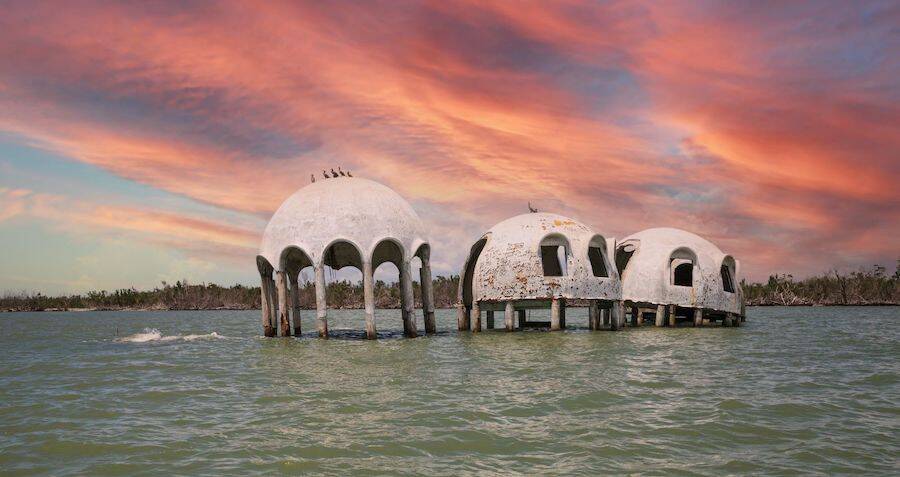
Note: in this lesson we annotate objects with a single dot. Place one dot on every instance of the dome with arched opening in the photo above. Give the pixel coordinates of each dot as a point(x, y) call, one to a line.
point(536, 259)
point(339, 222)
point(349, 210)
point(668, 266)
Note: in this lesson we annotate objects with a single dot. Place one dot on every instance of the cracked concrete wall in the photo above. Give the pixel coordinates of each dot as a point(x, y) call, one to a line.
point(647, 276)
point(510, 268)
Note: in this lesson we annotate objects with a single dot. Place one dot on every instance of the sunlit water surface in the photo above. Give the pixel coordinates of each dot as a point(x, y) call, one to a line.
point(795, 390)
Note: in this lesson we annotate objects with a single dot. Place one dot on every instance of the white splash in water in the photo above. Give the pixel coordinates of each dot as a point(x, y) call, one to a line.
point(152, 334)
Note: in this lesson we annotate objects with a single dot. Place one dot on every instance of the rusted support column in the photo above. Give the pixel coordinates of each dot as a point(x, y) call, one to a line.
point(462, 317)
point(475, 317)
point(594, 315)
point(617, 316)
point(268, 330)
point(522, 317)
point(321, 311)
point(369, 299)
point(555, 312)
point(698, 316)
point(295, 301)
point(273, 304)
point(284, 309)
point(407, 302)
point(509, 316)
point(427, 289)
point(490, 319)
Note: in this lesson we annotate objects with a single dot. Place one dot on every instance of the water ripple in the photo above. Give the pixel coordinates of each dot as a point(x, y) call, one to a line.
point(797, 390)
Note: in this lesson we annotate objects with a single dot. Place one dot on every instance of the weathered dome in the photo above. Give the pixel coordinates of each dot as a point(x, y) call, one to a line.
point(674, 267)
point(345, 212)
point(518, 260)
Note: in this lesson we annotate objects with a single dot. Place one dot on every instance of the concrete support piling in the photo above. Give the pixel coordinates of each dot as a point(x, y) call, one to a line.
point(284, 305)
point(268, 330)
point(321, 306)
point(427, 295)
point(672, 315)
point(369, 299)
point(273, 304)
point(476, 317)
point(407, 303)
point(617, 316)
point(594, 315)
point(509, 316)
point(562, 313)
point(698, 316)
point(462, 317)
point(295, 301)
point(556, 305)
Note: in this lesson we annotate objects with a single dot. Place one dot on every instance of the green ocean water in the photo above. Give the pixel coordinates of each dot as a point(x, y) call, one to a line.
point(794, 391)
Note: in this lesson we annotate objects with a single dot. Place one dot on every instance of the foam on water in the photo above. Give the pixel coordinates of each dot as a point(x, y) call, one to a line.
point(153, 334)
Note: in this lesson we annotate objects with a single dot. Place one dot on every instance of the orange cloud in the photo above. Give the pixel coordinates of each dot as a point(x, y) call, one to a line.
point(767, 128)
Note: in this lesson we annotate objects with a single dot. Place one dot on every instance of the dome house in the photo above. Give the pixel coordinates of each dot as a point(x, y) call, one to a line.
point(680, 276)
point(539, 260)
point(340, 222)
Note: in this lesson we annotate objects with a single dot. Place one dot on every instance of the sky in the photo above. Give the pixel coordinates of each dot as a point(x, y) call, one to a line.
point(143, 142)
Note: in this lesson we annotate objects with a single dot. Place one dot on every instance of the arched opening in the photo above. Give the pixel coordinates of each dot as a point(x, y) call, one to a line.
point(597, 257)
point(466, 282)
point(387, 258)
point(681, 267)
point(299, 268)
point(554, 255)
point(728, 271)
point(624, 252)
point(343, 271)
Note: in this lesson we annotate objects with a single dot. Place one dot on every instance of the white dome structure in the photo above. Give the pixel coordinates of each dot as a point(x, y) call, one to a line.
point(669, 270)
point(339, 222)
point(537, 260)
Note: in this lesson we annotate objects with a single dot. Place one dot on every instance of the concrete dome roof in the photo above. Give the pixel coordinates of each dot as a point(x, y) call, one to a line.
point(348, 211)
point(506, 263)
point(647, 275)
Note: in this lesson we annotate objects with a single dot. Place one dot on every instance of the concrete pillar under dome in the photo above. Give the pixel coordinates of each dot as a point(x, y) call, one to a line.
point(321, 306)
point(369, 299)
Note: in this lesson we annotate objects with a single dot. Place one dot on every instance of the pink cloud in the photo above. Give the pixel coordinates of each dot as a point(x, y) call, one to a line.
point(732, 121)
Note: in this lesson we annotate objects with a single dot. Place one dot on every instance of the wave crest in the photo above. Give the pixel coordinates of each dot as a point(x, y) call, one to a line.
point(153, 334)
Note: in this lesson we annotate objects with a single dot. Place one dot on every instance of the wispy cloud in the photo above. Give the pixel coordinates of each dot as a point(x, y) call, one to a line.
point(769, 128)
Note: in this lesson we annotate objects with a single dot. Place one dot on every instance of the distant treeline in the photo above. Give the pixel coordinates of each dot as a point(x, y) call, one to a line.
point(184, 296)
point(864, 287)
